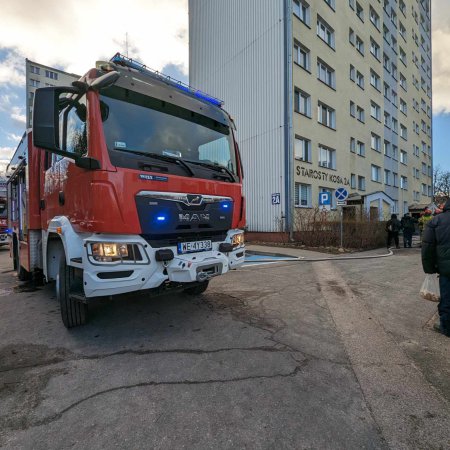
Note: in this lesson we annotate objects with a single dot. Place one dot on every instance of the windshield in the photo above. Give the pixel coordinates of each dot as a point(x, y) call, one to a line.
point(141, 124)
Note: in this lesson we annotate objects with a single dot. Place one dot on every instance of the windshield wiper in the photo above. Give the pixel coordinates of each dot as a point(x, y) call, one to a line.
point(214, 167)
point(171, 159)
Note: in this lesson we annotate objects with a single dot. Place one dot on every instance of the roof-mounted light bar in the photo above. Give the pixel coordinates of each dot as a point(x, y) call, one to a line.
point(128, 62)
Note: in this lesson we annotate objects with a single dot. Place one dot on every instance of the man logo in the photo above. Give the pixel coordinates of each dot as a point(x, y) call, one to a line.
point(194, 199)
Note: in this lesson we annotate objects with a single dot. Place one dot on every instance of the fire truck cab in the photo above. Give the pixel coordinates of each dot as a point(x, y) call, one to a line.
point(127, 181)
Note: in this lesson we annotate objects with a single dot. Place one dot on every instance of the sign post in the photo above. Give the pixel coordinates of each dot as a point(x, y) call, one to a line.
point(341, 195)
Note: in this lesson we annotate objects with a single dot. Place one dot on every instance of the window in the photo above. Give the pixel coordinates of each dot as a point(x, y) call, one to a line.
point(403, 182)
point(302, 149)
point(325, 32)
point(327, 157)
point(387, 91)
point(352, 73)
point(360, 79)
point(50, 74)
point(395, 179)
point(376, 173)
point(331, 4)
point(394, 71)
point(375, 49)
point(375, 142)
point(351, 36)
point(387, 148)
point(424, 189)
point(394, 44)
point(359, 11)
point(73, 125)
point(424, 168)
point(387, 120)
point(395, 152)
point(402, 31)
point(394, 98)
point(375, 80)
point(403, 82)
point(301, 10)
point(302, 195)
point(361, 183)
point(34, 83)
point(352, 109)
point(375, 111)
point(353, 145)
point(302, 102)
point(403, 157)
point(326, 74)
point(402, 56)
point(403, 131)
point(416, 150)
point(374, 18)
point(360, 148)
point(386, 62)
point(352, 181)
point(34, 69)
point(394, 123)
point(359, 45)
point(302, 56)
point(326, 115)
point(387, 177)
point(360, 114)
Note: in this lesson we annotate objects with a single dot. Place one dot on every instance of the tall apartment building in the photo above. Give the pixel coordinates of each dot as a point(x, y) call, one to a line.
point(324, 93)
point(38, 75)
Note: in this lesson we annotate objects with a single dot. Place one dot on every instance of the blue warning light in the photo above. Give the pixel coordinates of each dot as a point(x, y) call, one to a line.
point(161, 218)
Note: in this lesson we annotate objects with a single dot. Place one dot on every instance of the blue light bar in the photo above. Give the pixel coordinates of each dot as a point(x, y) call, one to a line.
point(161, 218)
point(128, 62)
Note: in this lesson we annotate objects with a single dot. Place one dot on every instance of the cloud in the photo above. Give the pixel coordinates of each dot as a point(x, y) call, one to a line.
point(441, 61)
point(13, 137)
point(5, 156)
point(12, 71)
point(18, 115)
point(72, 38)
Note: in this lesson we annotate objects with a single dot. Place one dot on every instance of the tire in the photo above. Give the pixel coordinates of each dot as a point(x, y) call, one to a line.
point(73, 313)
point(197, 289)
point(22, 274)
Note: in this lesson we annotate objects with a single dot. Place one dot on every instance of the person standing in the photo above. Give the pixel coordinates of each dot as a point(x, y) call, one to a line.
point(436, 259)
point(408, 228)
point(393, 227)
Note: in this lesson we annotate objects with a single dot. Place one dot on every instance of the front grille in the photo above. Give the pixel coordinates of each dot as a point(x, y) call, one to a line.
point(172, 240)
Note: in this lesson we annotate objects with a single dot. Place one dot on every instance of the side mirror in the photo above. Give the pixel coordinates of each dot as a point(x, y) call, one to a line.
point(47, 105)
point(46, 117)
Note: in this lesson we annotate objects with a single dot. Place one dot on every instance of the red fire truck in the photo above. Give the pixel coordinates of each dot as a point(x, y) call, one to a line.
point(127, 181)
point(3, 214)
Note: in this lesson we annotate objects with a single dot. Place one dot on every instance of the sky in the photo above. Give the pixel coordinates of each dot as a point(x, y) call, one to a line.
point(72, 34)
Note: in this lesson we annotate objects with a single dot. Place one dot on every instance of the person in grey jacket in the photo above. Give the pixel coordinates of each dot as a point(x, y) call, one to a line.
point(436, 259)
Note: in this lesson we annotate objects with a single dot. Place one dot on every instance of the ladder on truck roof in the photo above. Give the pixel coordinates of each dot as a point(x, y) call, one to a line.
point(123, 60)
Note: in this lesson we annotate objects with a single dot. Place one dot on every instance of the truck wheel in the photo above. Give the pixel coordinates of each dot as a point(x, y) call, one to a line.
point(22, 274)
point(73, 312)
point(198, 289)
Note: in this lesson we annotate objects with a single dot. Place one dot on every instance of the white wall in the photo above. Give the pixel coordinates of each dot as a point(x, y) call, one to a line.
point(237, 54)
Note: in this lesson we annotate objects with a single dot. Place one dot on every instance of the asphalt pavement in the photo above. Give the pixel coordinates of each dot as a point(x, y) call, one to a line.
point(301, 355)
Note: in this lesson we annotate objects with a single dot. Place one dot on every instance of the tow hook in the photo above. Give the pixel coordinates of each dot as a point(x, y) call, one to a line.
point(203, 276)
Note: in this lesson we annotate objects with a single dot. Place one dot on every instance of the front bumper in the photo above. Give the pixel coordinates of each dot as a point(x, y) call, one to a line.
point(104, 279)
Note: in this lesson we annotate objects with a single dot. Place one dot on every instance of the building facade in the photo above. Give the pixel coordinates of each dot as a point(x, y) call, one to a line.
point(37, 76)
point(324, 94)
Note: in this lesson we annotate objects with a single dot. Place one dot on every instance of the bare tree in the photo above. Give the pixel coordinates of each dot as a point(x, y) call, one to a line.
point(441, 184)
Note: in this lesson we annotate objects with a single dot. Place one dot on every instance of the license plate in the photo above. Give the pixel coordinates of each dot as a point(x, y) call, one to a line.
point(194, 246)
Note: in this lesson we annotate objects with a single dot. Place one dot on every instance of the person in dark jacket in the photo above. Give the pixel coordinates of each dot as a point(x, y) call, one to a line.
point(436, 259)
point(393, 227)
point(408, 228)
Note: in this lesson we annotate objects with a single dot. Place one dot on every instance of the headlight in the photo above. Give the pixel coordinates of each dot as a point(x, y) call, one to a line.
point(114, 251)
point(238, 240)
